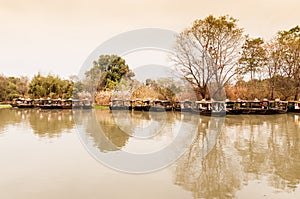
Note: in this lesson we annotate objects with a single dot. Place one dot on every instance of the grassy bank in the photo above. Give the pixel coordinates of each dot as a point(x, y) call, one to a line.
point(5, 106)
point(100, 107)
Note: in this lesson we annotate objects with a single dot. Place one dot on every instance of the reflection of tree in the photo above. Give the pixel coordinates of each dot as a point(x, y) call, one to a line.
point(212, 175)
point(251, 148)
point(111, 130)
point(251, 144)
point(89, 130)
point(50, 123)
point(284, 146)
point(147, 123)
point(12, 116)
point(269, 146)
point(109, 137)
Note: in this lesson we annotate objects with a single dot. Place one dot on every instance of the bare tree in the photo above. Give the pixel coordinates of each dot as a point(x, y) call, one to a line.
point(207, 54)
point(273, 66)
point(289, 42)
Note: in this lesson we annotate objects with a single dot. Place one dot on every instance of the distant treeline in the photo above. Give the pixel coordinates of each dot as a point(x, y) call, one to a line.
point(108, 73)
point(213, 56)
point(39, 86)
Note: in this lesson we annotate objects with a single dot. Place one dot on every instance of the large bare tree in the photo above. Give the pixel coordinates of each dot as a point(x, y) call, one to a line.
point(207, 54)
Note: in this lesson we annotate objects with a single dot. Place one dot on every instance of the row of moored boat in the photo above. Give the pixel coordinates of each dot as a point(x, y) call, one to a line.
point(215, 108)
point(51, 103)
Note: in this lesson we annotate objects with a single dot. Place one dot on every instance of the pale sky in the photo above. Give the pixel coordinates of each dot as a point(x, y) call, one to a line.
point(57, 36)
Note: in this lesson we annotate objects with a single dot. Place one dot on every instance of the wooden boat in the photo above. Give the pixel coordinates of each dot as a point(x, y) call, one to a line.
point(86, 104)
point(137, 105)
point(210, 108)
point(55, 103)
point(146, 105)
point(167, 105)
point(183, 106)
point(263, 107)
point(294, 106)
point(23, 103)
point(117, 104)
point(76, 104)
point(161, 106)
point(128, 104)
point(232, 108)
point(50, 103)
point(280, 107)
point(66, 104)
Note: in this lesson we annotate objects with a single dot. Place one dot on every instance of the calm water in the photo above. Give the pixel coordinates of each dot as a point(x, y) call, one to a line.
point(42, 155)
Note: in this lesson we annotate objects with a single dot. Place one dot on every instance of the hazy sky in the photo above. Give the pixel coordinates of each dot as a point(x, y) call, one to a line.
point(57, 36)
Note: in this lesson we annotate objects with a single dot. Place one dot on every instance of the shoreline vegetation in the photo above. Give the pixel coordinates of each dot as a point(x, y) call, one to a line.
point(214, 59)
point(5, 106)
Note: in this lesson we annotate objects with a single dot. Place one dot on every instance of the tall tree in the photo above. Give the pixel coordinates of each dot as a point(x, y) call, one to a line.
point(3, 88)
point(22, 85)
point(273, 66)
point(108, 71)
point(253, 56)
point(289, 42)
point(207, 54)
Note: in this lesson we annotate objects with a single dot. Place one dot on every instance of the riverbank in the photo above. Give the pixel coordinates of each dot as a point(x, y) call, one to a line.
point(101, 107)
point(2, 106)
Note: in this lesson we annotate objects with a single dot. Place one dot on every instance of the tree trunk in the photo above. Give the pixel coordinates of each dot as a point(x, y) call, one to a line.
point(200, 93)
point(296, 92)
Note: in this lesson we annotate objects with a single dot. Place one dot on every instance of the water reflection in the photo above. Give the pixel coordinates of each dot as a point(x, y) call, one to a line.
point(219, 163)
point(111, 139)
point(9, 117)
point(44, 123)
point(141, 141)
point(51, 123)
point(119, 127)
point(250, 148)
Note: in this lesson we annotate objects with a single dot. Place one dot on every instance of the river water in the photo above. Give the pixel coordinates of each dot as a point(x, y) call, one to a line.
point(55, 154)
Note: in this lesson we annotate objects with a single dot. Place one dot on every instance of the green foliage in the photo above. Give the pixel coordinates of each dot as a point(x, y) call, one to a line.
point(253, 57)
point(12, 87)
point(107, 72)
point(50, 86)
